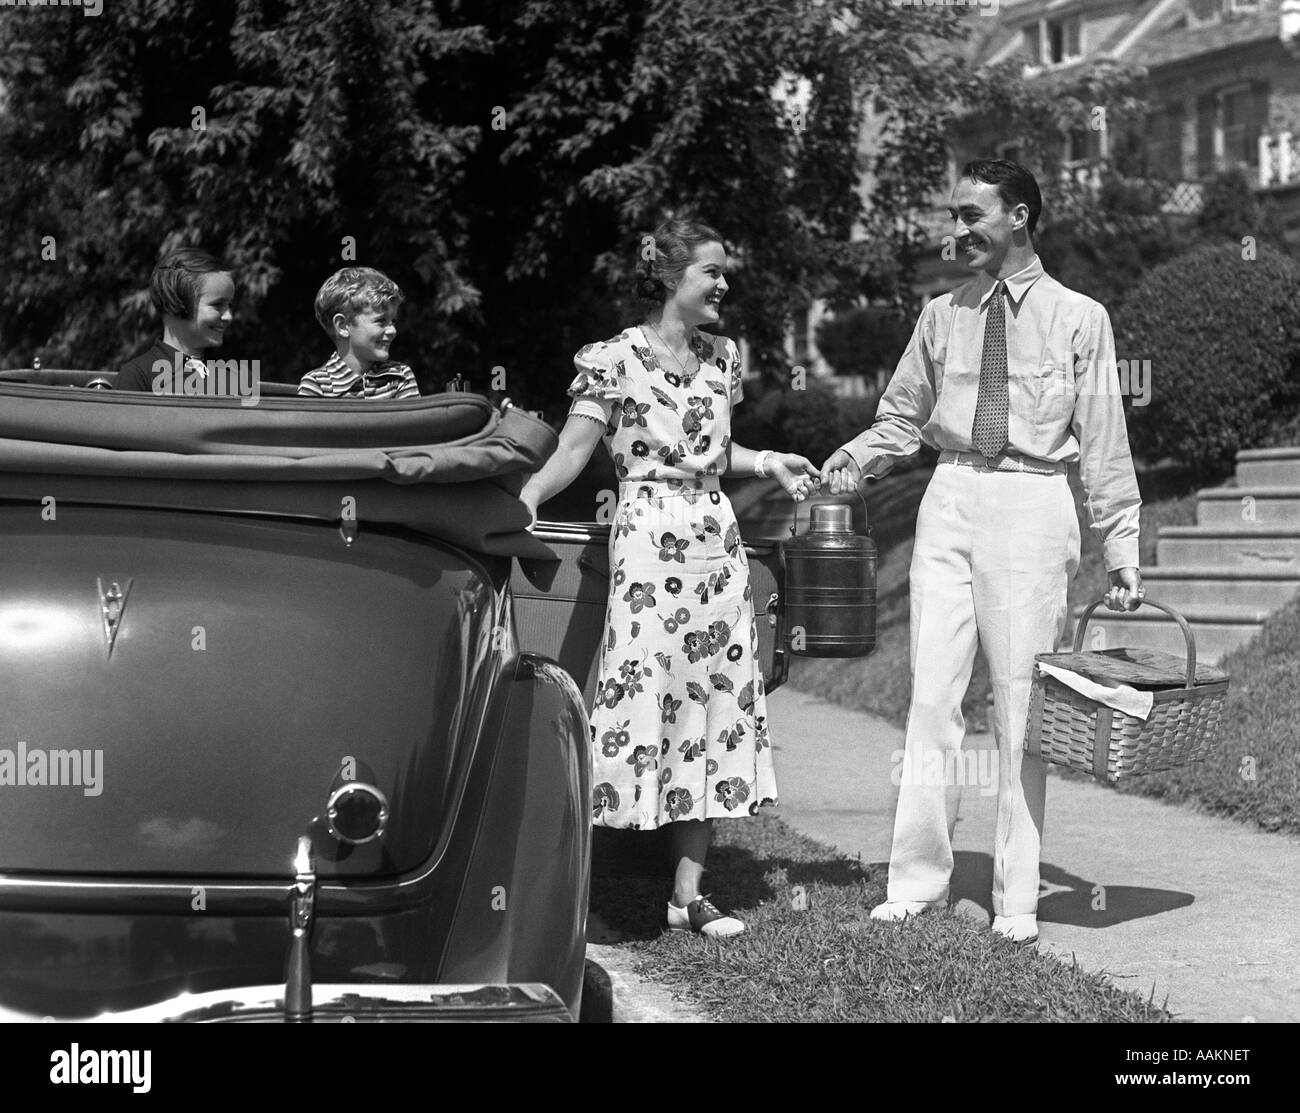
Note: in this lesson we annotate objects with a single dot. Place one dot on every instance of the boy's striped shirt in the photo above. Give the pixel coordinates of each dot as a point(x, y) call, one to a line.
point(335, 379)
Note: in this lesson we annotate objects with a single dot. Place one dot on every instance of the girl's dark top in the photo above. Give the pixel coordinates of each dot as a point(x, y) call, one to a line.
point(138, 373)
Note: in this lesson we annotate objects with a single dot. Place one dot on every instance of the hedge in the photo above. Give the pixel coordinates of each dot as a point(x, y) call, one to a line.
point(1221, 327)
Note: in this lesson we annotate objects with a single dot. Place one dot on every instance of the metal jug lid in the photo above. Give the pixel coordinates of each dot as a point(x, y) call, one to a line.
point(833, 518)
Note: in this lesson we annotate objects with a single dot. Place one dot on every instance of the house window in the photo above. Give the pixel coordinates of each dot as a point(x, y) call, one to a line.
point(1228, 126)
point(1077, 146)
point(1244, 118)
point(1033, 44)
point(1207, 131)
point(1203, 12)
point(1164, 146)
point(1063, 39)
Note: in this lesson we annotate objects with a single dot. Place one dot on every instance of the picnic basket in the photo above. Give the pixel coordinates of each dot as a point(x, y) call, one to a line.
point(1067, 728)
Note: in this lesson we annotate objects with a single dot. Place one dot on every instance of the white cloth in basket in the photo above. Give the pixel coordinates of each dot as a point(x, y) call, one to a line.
point(1131, 701)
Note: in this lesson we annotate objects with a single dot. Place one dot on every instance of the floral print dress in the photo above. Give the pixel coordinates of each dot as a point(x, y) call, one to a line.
point(679, 730)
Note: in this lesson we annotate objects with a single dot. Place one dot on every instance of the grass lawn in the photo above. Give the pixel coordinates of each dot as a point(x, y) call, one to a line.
point(813, 954)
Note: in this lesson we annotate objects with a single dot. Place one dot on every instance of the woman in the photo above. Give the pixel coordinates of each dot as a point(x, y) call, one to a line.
point(679, 730)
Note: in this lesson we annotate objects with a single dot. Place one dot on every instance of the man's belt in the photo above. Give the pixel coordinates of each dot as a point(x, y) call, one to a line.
point(1002, 462)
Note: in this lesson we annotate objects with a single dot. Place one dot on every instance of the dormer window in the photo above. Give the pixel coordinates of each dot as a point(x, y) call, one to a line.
point(1063, 37)
point(1203, 12)
point(1053, 42)
point(1033, 43)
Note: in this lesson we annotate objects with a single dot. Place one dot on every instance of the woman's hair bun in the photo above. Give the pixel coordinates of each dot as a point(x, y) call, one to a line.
point(649, 286)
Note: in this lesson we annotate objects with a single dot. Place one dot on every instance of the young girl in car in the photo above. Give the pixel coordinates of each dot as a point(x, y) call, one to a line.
point(193, 292)
point(679, 730)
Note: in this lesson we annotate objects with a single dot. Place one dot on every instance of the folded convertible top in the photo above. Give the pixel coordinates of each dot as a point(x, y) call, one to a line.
point(449, 465)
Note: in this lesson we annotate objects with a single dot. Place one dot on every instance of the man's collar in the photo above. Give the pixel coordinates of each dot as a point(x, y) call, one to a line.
point(1016, 284)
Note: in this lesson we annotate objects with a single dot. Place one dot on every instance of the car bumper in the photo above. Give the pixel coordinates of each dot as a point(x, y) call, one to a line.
point(522, 1002)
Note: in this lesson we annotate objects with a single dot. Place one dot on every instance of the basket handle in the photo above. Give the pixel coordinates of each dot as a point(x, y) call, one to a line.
point(1188, 636)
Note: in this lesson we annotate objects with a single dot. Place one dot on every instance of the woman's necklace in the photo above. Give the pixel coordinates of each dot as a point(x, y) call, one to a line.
point(687, 376)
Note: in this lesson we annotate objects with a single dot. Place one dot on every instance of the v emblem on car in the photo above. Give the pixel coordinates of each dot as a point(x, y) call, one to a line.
point(113, 593)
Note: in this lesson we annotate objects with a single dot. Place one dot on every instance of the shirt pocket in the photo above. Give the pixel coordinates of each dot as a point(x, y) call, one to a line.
point(1052, 387)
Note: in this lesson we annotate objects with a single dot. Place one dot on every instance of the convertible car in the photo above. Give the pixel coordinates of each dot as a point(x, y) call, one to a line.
point(293, 713)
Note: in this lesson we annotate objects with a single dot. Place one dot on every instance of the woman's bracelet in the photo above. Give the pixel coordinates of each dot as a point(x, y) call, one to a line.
point(760, 462)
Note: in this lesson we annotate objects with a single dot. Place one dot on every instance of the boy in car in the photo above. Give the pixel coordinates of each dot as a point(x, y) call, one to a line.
point(357, 308)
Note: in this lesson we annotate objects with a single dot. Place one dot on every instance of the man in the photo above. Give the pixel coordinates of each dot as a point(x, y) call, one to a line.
point(1012, 377)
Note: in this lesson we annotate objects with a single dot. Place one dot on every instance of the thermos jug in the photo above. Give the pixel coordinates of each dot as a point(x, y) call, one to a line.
point(830, 586)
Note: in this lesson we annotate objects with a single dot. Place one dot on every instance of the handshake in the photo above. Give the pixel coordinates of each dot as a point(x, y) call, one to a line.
point(800, 478)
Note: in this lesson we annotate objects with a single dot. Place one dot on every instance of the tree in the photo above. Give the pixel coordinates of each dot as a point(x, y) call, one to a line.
point(280, 136)
point(500, 161)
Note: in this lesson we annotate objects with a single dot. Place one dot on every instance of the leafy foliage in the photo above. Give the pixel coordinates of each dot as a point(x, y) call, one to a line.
point(1231, 209)
point(865, 340)
point(499, 160)
point(1223, 338)
point(264, 131)
point(813, 422)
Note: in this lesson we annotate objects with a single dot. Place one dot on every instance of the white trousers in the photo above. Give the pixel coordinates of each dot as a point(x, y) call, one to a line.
point(995, 552)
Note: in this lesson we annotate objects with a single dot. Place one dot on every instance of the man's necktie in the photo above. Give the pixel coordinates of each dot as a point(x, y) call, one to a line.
point(989, 432)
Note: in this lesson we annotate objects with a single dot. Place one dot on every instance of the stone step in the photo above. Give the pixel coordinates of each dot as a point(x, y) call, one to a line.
point(1275, 506)
point(1269, 467)
point(1191, 586)
point(1217, 630)
point(1242, 544)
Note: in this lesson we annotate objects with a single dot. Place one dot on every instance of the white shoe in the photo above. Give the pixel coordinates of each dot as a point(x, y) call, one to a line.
point(1018, 929)
point(893, 911)
point(702, 917)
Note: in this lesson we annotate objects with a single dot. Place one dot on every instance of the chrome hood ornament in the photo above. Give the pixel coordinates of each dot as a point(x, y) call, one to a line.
point(113, 593)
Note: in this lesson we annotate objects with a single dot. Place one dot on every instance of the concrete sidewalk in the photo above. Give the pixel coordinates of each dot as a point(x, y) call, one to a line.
point(1204, 911)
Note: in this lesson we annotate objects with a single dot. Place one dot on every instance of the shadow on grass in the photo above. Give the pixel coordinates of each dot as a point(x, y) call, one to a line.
point(812, 953)
point(632, 879)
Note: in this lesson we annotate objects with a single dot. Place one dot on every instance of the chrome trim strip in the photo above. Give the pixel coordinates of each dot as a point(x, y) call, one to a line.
point(341, 1001)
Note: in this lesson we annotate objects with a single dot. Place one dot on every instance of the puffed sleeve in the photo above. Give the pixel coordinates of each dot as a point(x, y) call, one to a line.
point(595, 389)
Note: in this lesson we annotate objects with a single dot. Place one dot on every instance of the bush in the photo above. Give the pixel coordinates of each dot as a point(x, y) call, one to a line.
point(1223, 337)
point(865, 340)
point(813, 422)
point(1104, 248)
point(1231, 209)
